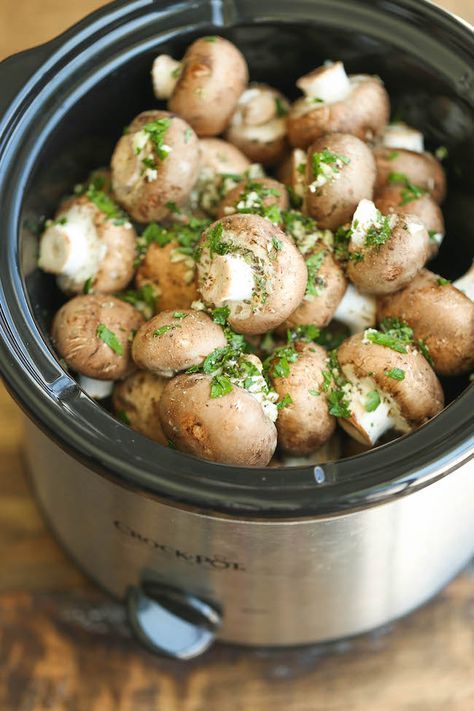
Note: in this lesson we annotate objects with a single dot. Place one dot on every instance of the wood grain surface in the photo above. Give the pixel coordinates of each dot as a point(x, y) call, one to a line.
point(64, 646)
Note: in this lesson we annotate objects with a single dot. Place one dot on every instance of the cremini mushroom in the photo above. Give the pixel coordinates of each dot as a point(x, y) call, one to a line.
point(340, 172)
point(90, 245)
point(304, 422)
point(155, 165)
point(249, 265)
point(259, 196)
point(224, 413)
point(291, 173)
point(381, 382)
point(93, 334)
point(386, 251)
point(394, 198)
point(168, 263)
point(440, 315)
point(325, 288)
point(173, 341)
point(136, 402)
point(258, 124)
point(337, 103)
point(205, 86)
point(356, 310)
point(416, 173)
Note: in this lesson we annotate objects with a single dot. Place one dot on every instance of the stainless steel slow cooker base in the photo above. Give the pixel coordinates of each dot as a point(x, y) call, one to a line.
point(279, 582)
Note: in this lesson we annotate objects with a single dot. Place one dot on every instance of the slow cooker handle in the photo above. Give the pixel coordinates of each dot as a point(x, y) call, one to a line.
point(171, 622)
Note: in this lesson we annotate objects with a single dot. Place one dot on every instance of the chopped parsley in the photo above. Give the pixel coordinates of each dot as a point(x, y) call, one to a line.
point(171, 444)
point(109, 338)
point(314, 393)
point(220, 315)
point(156, 131)
point(432, 235)
point(295, 200)
point(395, 373)
point(342, 238)
point(397, 335)
point(315, 283)
point(88, 288)
point(172, 207)
point(106, 205)
point(165, 329)
point(187, 134)
point(284, 402)
point(333, 384)
point(441, 152)
point(214, 240)
point(308, 333)
point(252, 201)
point(221, 385)
point(142, 299)
point(326, 163)
point(123, 417)
point(180, 315)
point(186, 235)
point(277, 365)
point(392, 155)
point(280, 107)
point(373, 401)
point(277, 244)
point(410, 191)
point(379, 232)
point(211, 39)
point(441, 281)
point(386, 339)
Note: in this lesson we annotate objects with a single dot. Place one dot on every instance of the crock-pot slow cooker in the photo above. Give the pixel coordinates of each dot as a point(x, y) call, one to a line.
point(199, 550)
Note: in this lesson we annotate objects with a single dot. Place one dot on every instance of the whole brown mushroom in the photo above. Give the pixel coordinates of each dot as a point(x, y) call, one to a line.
point(386, 252)
point(93, 334)
point(340, 172)
point(417, 173)
point(232, 429)
point(155, 165)
point(89, 245)
point(304, 423)
point(440, 315)
point(176, 340)
point(136, 402)
point(205, 86)
point(384, 388)
point(337, 103)
point(249, 265)
point(258, 124)
point(393, 198)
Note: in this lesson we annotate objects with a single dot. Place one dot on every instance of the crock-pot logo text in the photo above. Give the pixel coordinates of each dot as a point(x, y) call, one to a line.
point(215, 562)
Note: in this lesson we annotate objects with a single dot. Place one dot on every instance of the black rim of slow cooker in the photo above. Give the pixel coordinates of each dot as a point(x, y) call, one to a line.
point(52, 398)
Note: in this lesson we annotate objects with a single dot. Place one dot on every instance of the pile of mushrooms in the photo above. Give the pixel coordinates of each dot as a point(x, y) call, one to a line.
point(260, 319)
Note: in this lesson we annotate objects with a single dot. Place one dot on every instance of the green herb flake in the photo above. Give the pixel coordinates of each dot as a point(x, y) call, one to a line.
point(109, 338)
point(123, 417)
point(338, 404)
point(277, 244)
point(164, 329)
point(410, 191)
point(106, 205)
point(314, 393)
point(372, 401)
point(176, 71)
point(296, 200)
point(305, 332)
point(214, 240)
point(87, 289)
point(327, 158)
point(315, 283)
point(171, 444)
point(172, 207)
point(378, 233)
point(386, 340)
point(392, 155)
point(395, 373)
point(211, 39)
point(432, 235)
point(187, 135)
point(441, 153)
point(280, 107)
point(284, 402)
point(156, 130)
point(221, 315)
point(180, 315)
point(425, 351)
point(441, 281)
point(221, 385)
point(142, 299)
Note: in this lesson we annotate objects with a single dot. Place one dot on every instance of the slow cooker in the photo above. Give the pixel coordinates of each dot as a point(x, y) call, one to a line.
point(198, 550)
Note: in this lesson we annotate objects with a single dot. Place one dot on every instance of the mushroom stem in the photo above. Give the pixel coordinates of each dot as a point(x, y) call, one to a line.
point(165, 74)
point(401, 135)
point(96, 389)
point(71, 247)
point(365, 215)
point(466, 283)
point(232, 279)
point(356, 310)
point(368, 426)
point(329, 83)
point(257, 107)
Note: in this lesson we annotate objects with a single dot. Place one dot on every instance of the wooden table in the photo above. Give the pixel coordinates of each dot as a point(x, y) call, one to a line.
point(64, 646)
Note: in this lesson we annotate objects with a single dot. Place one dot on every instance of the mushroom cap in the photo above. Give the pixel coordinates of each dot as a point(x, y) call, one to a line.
point(74, 334)
point(363, 113)
point(148, 200)
point(138, 397)
point(174, 281)
point(258, 125)
point(176, 340)
point(334, 202)
point(390, 199)
point(228, 205)
point(330, 285)
point(305, 424)
point(221, 157)
point(419, 395)
point(390, 266)
point(214, 74)
point(441, 316)
point(280, 270)
point(232, 429)
point(422, 169)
